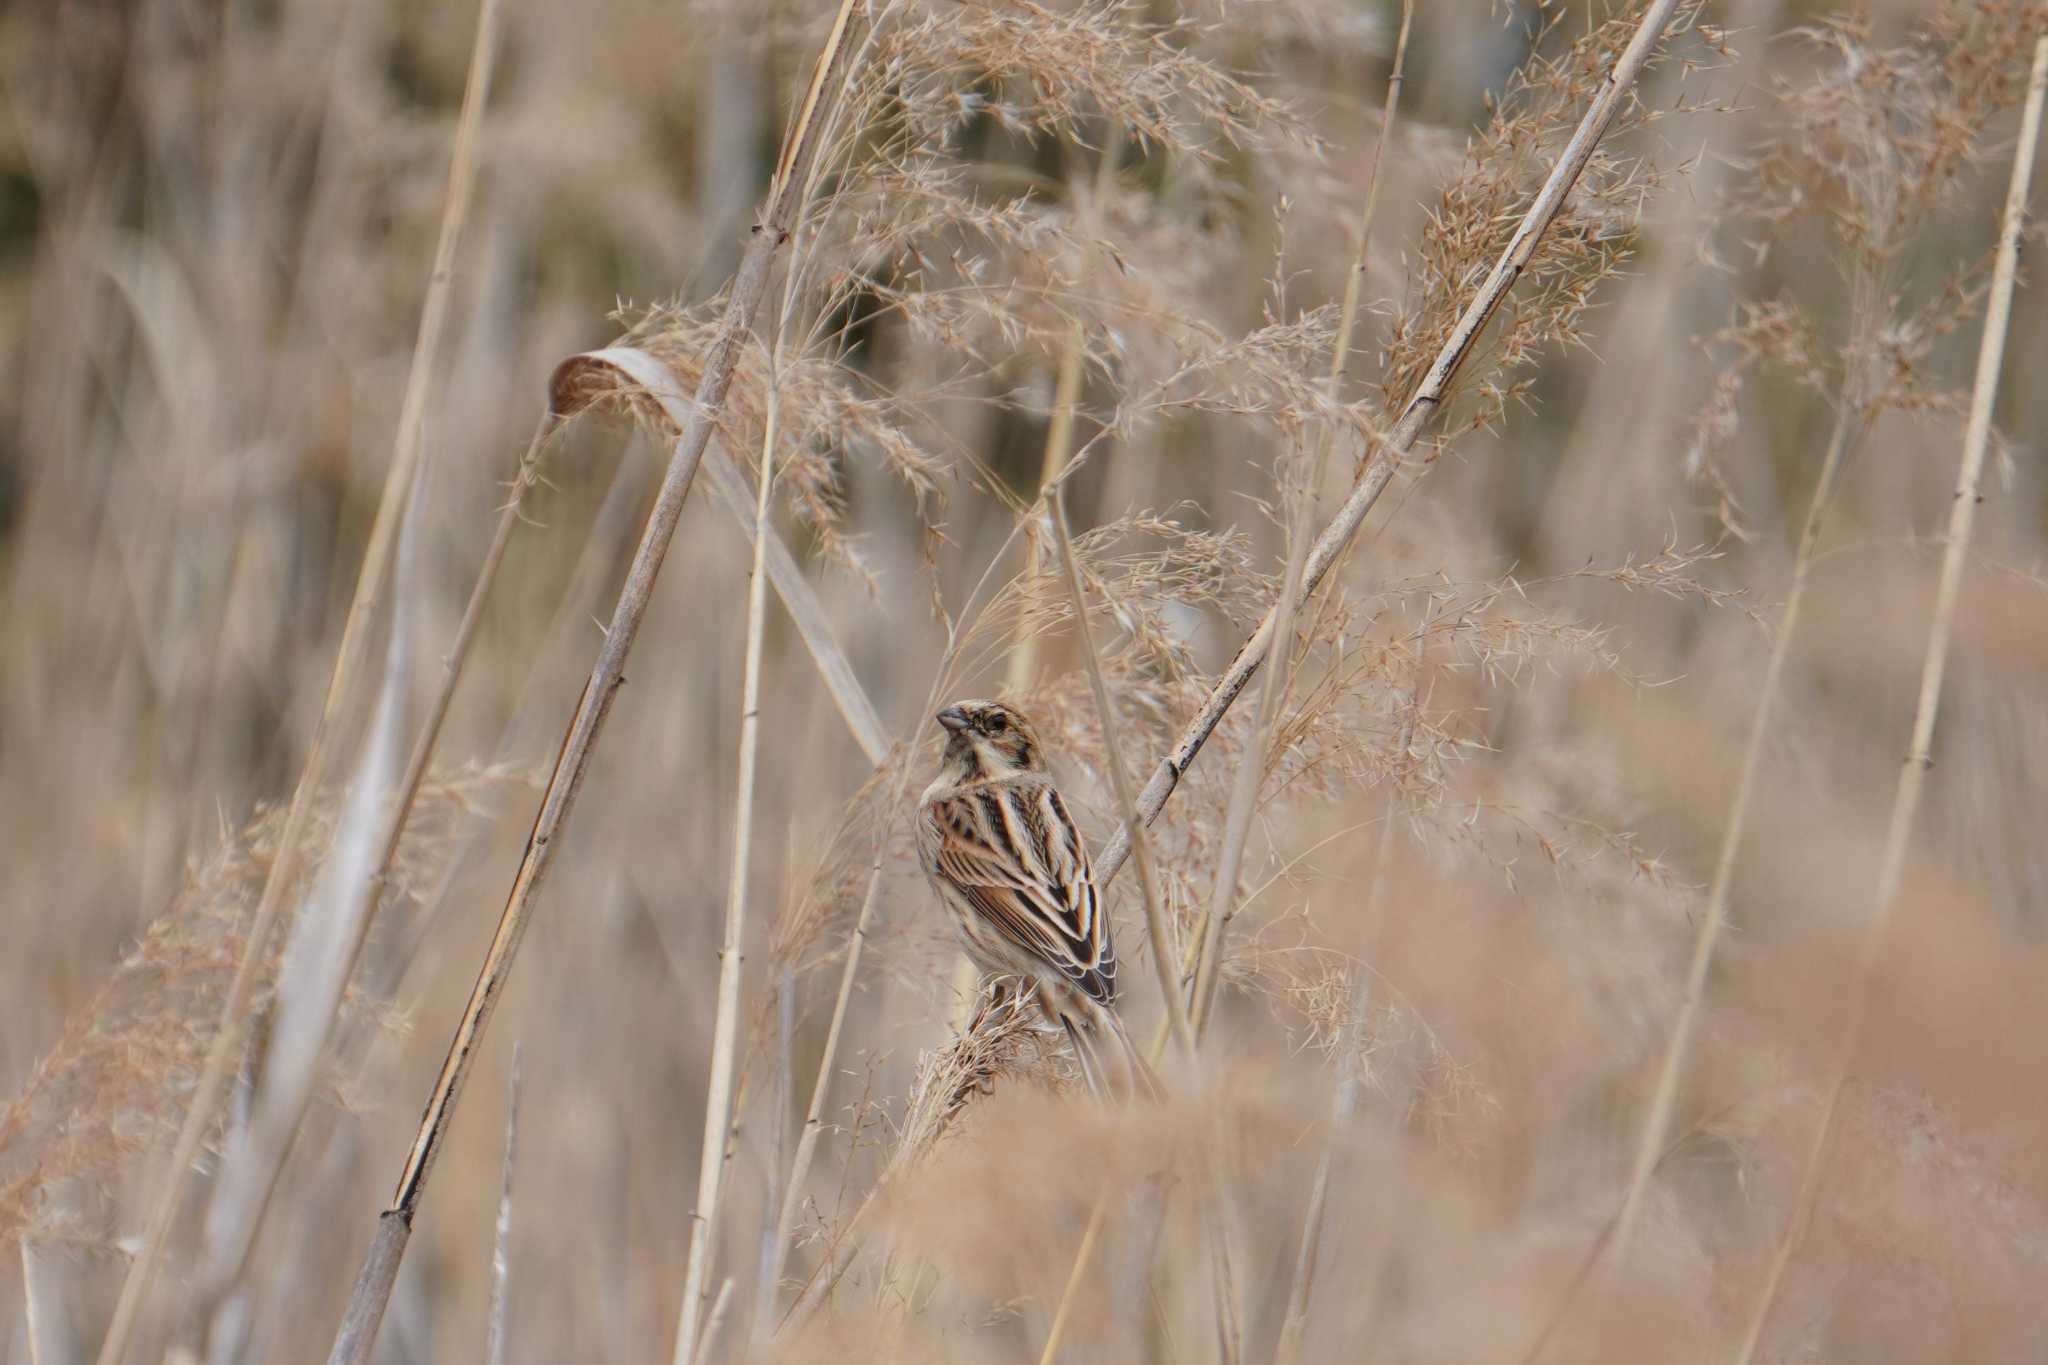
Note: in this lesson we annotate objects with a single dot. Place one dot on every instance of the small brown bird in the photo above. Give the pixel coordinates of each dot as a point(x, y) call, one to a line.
point(1005, 857)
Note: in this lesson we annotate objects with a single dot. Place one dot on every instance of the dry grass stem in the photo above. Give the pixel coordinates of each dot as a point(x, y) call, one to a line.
point(718, 1138)
point(1920, 756)
point(377, 558)
point(1120, 782)
point(1486, 460)
point(496, 1335)
point(356, 1338)
point(1427, 400)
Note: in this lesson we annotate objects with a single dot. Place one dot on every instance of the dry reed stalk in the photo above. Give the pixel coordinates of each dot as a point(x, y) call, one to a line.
point(495, 1336)
point(583, 378)
point(1120, 782)
point(721, 1309)
point(718, 1098)
point(814, 1113)
point(230, 1262)
point(1071, 1294)
point(1919, 758)
point(1344, 1101)
point(1273, 689)
point(1427, 400)
point(377, 558)
point(1162, 952)
point(32, 1314)
point(1850, 420)
point(357, 1334)
point(1059, 440)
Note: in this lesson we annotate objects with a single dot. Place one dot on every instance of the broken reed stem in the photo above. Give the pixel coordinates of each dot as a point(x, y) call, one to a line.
point(1427, 400)
point(718, 1107)
point(1120, 781)
point(501, 1242)
point(1913, 773)
point(378, 554)
point(354, 1340)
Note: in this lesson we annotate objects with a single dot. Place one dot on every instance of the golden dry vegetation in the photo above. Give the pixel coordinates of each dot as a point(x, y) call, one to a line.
point(1610, 929)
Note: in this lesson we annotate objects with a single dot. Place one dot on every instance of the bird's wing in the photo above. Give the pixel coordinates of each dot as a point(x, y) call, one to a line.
point(1013, 852)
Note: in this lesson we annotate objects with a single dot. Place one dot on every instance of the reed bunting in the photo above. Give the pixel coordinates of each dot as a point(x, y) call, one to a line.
point(1005, 856)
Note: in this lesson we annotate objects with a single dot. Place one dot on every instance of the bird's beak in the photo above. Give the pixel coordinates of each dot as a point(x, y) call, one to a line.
point(953, 719)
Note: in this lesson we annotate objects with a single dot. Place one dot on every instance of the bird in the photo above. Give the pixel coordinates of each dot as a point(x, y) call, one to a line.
point(1002, 852)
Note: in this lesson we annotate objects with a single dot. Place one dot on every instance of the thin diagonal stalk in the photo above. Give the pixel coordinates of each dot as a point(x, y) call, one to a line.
point(725, 1031)
point(1273, 690)
point(231, 1260)
point(1426, 402)
point(501, 1241)
point(813, 623)
point(1913, 773)
point(1849, 425)
point(372, 1290)
point(1344, 1101)
point(814, 1115)
point(1120, 781)
point(1155, 921)
point(1059, 431)
point(377, 558)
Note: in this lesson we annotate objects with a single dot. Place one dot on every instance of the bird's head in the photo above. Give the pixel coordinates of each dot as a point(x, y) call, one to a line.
point(988, 739)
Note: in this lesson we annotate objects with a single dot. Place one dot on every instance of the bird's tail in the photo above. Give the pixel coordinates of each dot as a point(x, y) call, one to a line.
point(1115, 1071)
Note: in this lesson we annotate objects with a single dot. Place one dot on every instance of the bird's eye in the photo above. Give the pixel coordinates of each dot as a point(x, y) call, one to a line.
point(997, 723)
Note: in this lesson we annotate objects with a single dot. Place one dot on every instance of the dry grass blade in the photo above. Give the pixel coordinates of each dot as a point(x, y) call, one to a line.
point(1155, 917)
point(1919, 758)
point(1427, 400)
point(1275, 686)
point(576, 384)
point(495, 1334)
point(718, 1100)
point(1344, 1102)
point(357, 1335)
point(377, 557)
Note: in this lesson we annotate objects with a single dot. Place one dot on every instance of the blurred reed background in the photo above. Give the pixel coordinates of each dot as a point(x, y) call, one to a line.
point(1484, 819)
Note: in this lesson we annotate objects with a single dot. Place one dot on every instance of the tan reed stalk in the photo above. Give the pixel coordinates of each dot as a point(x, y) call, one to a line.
point(1059, 440)
point(501, 1241)
point(1849, 423)
point(354, 1340)
point(718, 1107)
point(813, 1126)
point(1273, 689)
point(232, 1263)
point(1919, 758)
point(714, 1325)
point(1344, 1102)
point(1427, 400)
point(1425, 403)
point(32, 1314)
point(1120, 781)
point(653, 379)
point(377, 558)
point(1155, 920)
